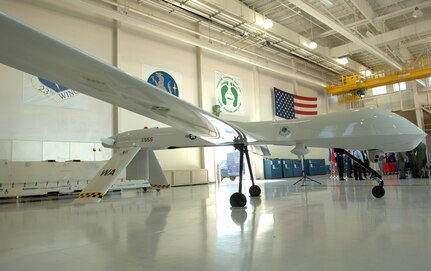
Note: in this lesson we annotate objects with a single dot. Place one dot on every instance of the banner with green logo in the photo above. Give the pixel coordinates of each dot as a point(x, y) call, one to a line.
point(229, 93)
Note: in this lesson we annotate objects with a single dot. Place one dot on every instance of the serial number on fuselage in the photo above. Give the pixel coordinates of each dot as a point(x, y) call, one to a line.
point(147, 139)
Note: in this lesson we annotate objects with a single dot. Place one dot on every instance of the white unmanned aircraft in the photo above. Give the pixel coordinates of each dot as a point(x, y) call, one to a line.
point(25, 48)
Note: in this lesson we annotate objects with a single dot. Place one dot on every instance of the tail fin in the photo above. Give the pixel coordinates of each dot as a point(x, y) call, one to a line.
point(100, 184)
point(157, 178)
point(145, 166)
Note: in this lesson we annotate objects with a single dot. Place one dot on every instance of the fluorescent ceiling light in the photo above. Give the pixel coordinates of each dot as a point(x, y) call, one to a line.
point(417, 13)
point(342, 60)
point(366, 73)
point(327, 3)
point(312, 45)
point(421, 82)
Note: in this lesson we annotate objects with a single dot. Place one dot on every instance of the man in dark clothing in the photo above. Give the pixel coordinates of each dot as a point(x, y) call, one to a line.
point(366, 162)
point(340, 165)
point(348, 162)
point(412, 161)
point(357, 169)
point(402, 159)
point(421, 160)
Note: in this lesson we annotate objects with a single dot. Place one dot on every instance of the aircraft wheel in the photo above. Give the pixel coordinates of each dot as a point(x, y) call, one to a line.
point(145, 189)
point(378, 191)
point(232, 178)
point(238, 200)
point(254, 191)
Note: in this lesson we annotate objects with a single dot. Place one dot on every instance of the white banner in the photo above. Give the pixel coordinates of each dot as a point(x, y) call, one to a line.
point(167, 80)
point(38, 91)
point(228, 93)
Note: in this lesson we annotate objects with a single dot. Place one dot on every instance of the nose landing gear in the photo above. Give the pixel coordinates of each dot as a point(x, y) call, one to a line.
point(378, 191)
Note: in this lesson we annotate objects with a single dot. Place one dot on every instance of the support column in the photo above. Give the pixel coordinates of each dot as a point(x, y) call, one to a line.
point(115, 62)
point(418, 108)
point(200, 95)
point(256, 95)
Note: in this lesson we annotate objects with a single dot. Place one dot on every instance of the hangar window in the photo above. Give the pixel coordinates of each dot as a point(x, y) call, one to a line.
point(400, 86)
point(379, 90)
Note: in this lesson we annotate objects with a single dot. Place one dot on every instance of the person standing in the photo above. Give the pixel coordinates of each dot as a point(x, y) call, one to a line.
point(339, 158)
point(402, 159)
point(348, 161)
point(421, 160)
point(412, 161)
point(357, 172)
point(366, 162)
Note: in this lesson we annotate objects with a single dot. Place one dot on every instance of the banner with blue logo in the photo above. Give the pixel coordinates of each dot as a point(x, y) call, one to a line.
point(39, 91)
point(167, 80)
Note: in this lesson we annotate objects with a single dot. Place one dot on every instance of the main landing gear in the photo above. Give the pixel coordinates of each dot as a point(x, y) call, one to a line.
point(378, 191)
point(238, 199)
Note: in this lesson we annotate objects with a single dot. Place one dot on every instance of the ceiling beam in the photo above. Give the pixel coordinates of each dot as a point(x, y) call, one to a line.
point(396, 35)
point(378, 20)
point(345, 32)
point(403, 11)
point(250, 17)
point(173, 34)
point(368, 13)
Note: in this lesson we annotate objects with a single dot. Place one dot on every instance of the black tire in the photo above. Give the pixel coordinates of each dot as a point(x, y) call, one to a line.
point(254, 191)
point(232, 178)
point(238, 200)
point(378, 191)
point(145, 189)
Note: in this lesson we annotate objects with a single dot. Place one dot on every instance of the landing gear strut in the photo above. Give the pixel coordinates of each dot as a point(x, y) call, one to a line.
point(238, 199)
point(378, 191)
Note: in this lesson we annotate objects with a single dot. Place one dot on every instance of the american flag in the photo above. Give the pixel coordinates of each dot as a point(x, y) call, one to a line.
point(291, 106)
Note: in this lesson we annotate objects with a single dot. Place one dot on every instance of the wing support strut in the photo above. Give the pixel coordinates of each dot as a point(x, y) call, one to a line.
point(238, 199)
point(378, 191)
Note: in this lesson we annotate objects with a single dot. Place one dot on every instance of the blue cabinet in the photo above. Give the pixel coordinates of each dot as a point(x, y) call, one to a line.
point(291, 168)
point(287, 168)
point(297, 167)
point(273, 168)
point(315, 166)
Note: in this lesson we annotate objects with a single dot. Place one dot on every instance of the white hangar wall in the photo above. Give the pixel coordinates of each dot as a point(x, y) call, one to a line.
point(26, 129)
point(131, 48)
point(136, 49)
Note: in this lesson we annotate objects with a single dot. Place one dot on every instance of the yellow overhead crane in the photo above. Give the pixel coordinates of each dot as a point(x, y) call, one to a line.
point(355, 82)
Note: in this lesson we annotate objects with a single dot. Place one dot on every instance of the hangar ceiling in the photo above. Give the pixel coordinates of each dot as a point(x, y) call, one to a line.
point(369, 33)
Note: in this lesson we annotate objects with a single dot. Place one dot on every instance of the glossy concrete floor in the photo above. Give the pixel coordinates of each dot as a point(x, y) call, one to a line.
point(333, 226)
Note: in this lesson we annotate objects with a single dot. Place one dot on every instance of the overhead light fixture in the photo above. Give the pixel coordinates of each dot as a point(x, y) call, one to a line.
point(342, 60)
point(265, 23)
point(312, 45)
point(417, 13)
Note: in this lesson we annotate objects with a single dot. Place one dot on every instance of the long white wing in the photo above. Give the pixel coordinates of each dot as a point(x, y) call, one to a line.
point(25, 48)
